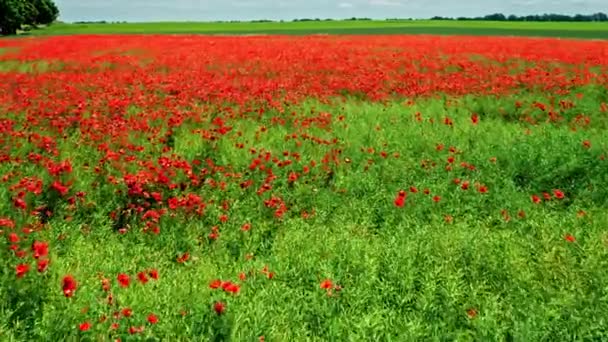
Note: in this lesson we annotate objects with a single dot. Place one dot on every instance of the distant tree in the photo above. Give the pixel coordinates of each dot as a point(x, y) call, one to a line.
point(16, 13)
point(495, 17)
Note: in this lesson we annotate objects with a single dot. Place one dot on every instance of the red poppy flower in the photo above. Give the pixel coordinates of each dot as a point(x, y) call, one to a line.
point(142, 277)
point(569, 238)
point(152, 319)
point(21, 270)
point(42, 265)
point(400, 199)
point(474, 119)
point(215, 284)
point(153, 274)
point(127, 312)
point(219, 308)
point(326, 284)
point(69, 286)
point(40, 249)
point(558, 194)
point(536, 199)
point(84, 326)
point(123, 280)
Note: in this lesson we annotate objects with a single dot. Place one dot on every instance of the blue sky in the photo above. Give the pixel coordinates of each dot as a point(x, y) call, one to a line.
point(202, 10)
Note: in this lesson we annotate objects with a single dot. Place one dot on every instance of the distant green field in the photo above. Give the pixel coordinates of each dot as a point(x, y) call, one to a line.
point(588, 30)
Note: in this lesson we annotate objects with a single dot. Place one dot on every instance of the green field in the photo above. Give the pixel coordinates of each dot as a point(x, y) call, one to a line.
point(587, 30)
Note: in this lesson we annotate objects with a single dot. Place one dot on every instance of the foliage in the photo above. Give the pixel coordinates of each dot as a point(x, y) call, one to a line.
point(16, 13)
point(303, 188)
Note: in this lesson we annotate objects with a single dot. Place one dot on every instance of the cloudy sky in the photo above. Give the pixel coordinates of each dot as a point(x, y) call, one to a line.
point(165, 10)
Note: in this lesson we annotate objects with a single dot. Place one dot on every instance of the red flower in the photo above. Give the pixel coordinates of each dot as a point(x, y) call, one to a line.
point(215, 284)
point(219, 308)
point(413, 189)
point(13, 238)
point(558, 194)
point(69, 286)
point(569, 238)
point(183, 258)
point(136, 330)
point(231, 287)
point(153, 274)
point(535, 199)
point(465, 185)
point(22, 269)
point(60, 188)
point(436, 199)
point(43, 264)
point(474, 119)
point(40, 249)
point(152, 319)
point(123, 280)
point(326, 284)
point(84, 326)
point(127, 312)
point(400, 199)
point(482, 189)
point(246, 227)
point(141, 276)
point(472, 313)
point(546, 196)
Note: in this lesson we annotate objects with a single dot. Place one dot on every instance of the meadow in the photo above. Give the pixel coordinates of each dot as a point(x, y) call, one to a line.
point(303, 188)
point(588, 30)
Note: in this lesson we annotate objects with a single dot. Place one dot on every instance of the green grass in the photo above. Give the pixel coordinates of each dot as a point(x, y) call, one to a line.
point(553, 29)
point(406, 273)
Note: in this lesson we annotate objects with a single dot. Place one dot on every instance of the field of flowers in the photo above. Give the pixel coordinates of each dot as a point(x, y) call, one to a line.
point(303, 188)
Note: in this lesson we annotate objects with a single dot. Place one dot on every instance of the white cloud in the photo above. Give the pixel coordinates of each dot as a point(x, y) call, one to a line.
point(345, 5)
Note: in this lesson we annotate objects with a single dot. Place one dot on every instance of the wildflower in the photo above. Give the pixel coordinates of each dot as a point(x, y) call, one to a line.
point(472, 313)
point(127, 312)
point(69, 286)
point(141, 276)
point(535, 199)
point(21, 270)
point(42, 265)
point(400, 199)
point(153, 273)
point(558, 194)
point(219, 308)
point(215, 284)
point(569, 238)
point(326, 284)
point(152, 319)
point(40, 249)
point(84, 326)
point(474, 119)
point(123, 280)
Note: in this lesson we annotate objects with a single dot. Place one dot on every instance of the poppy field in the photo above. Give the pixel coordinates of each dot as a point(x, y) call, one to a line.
point(277, 188)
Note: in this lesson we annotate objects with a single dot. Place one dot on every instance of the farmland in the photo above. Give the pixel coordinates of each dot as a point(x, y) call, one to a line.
point(588, 30)
point(287, 188)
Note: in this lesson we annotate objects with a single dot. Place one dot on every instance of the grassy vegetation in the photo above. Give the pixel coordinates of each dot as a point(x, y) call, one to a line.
point(191, 198)
point(572, 30)
point(456, 270)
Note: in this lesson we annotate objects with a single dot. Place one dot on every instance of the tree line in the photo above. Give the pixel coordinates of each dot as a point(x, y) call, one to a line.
point(15, 14)
point(535, 17)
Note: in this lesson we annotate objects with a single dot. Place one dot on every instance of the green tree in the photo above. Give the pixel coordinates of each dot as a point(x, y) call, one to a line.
point(16, 13)
point(47, 12)
point(11, 16)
